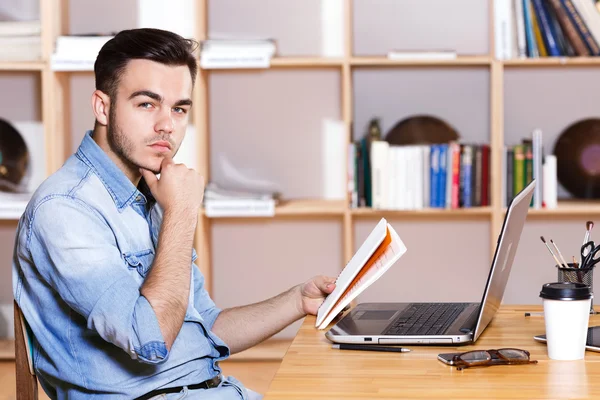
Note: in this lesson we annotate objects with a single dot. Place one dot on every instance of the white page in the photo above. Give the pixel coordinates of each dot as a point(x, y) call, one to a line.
point(352, 268)
point(392, 253)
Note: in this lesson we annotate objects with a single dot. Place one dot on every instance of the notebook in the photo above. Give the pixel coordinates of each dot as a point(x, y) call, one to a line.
point(440, 323)
point(382, 248)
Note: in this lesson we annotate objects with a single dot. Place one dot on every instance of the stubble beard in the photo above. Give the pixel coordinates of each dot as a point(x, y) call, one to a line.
point(121, 145)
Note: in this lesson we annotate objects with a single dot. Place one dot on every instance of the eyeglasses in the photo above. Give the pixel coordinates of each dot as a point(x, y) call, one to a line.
point(491, 357)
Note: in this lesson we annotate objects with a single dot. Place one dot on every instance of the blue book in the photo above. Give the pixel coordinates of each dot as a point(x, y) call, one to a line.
point(434, 159)
point(581, 27)
point(442, 173)
point(545, 29)
point(466, 170)
point(532, 50)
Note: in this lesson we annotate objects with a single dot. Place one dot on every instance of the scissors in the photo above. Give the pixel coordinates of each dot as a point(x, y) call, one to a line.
point(590, 255)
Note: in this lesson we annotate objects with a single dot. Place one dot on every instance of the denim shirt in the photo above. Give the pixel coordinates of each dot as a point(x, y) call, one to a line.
point(84, 246)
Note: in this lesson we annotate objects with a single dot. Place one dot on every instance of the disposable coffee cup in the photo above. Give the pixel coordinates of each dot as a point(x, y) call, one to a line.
point(566, 315)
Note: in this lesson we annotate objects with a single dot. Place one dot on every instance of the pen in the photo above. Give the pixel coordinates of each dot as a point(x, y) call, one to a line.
point(530, 314)
point(368, 347)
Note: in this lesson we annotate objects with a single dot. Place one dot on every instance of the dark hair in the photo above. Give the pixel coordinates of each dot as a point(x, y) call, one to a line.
point(145, 43)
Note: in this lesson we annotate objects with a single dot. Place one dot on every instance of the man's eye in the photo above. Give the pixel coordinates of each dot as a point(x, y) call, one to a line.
point(179, 110)
point(145, 105)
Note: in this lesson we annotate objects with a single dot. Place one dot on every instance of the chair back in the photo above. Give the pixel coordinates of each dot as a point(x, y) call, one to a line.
point(27, 385)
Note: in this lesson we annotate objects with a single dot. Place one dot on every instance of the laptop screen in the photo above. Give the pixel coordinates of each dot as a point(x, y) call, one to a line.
point(506, 248)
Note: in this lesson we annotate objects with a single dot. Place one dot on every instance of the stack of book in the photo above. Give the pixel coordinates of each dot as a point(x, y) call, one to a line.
point(77, 53)
point(12, 205)
point(237, 53)
point(524, 162)
point(546, 28)
point(20, 40)
point(411, 177)
point(430, 55)
point(227, 202)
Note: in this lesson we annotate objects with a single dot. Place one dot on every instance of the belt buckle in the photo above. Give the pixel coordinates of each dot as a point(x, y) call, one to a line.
point(214, 382)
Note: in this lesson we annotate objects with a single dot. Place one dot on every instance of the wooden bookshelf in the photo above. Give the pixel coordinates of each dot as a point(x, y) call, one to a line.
point(304, 208)
point(437, 213)
point(310, 208)
point(321, 62)
point(276, 62)
point(56, 106)
point(569, 208)
point(552, 62)
point(22, 66)
point(306, 62)
point(386, 62)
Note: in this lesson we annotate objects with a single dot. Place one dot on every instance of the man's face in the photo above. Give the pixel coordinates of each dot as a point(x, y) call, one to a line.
point(149, 114)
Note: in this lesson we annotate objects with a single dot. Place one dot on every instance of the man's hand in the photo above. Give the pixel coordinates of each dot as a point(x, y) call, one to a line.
point(245, 326)
point(179, 188)
point(313, 292)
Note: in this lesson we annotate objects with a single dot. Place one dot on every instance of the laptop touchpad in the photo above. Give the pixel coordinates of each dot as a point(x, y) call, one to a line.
point(378, 315)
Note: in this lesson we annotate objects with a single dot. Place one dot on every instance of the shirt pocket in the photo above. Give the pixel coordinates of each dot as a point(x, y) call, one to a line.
point(140, 260)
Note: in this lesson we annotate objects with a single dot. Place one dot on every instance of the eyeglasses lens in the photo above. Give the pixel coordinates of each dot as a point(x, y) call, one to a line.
point(475, 356)
point(514, 354)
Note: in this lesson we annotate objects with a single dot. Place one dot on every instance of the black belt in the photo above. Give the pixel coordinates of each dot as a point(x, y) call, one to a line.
point(207, 384)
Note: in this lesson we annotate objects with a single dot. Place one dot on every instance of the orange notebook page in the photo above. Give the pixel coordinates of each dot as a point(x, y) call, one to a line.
point(380, 250)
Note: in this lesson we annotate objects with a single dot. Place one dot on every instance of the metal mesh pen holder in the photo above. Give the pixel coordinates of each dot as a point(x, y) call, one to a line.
point(578, 275)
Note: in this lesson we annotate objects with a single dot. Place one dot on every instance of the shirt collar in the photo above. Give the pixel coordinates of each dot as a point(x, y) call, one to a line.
point(122, 191)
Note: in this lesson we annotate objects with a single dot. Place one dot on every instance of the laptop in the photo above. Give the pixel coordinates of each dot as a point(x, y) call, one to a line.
point(440, 323)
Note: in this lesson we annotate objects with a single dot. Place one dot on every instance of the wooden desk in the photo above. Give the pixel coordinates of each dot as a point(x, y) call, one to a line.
point(312, 370)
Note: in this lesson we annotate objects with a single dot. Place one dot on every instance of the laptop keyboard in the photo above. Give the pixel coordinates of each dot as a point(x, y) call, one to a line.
point(426, 319)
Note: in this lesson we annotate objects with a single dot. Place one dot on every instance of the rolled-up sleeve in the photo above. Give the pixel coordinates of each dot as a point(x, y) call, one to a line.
point(82, 262)
point(202, 301)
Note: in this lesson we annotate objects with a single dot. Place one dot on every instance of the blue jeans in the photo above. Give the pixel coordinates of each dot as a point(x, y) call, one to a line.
point(229, 389)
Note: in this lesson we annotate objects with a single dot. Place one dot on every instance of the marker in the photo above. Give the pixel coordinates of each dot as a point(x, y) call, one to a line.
point(368, 347)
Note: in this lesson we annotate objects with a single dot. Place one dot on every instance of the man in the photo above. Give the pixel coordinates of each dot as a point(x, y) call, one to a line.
point(103, 265)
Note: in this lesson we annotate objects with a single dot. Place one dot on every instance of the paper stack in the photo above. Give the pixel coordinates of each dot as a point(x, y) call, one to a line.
point(225, 202)
point(237, 53)
point(12, 205)
point(20, 40)
point(77, 53)
point(430, 55)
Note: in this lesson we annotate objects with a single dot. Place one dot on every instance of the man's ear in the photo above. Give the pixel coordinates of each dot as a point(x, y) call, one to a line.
point(100, 106)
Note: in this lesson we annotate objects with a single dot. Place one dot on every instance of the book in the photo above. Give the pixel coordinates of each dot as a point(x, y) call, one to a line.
point(382, 248)
point(569, 29)
point(503, 29)
point(20, 48)
point(237, 53)
point(549, 180)
point(408, 55)
point(12, 205)
point(78, 52)
point(232, 202)
point(20, 28)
